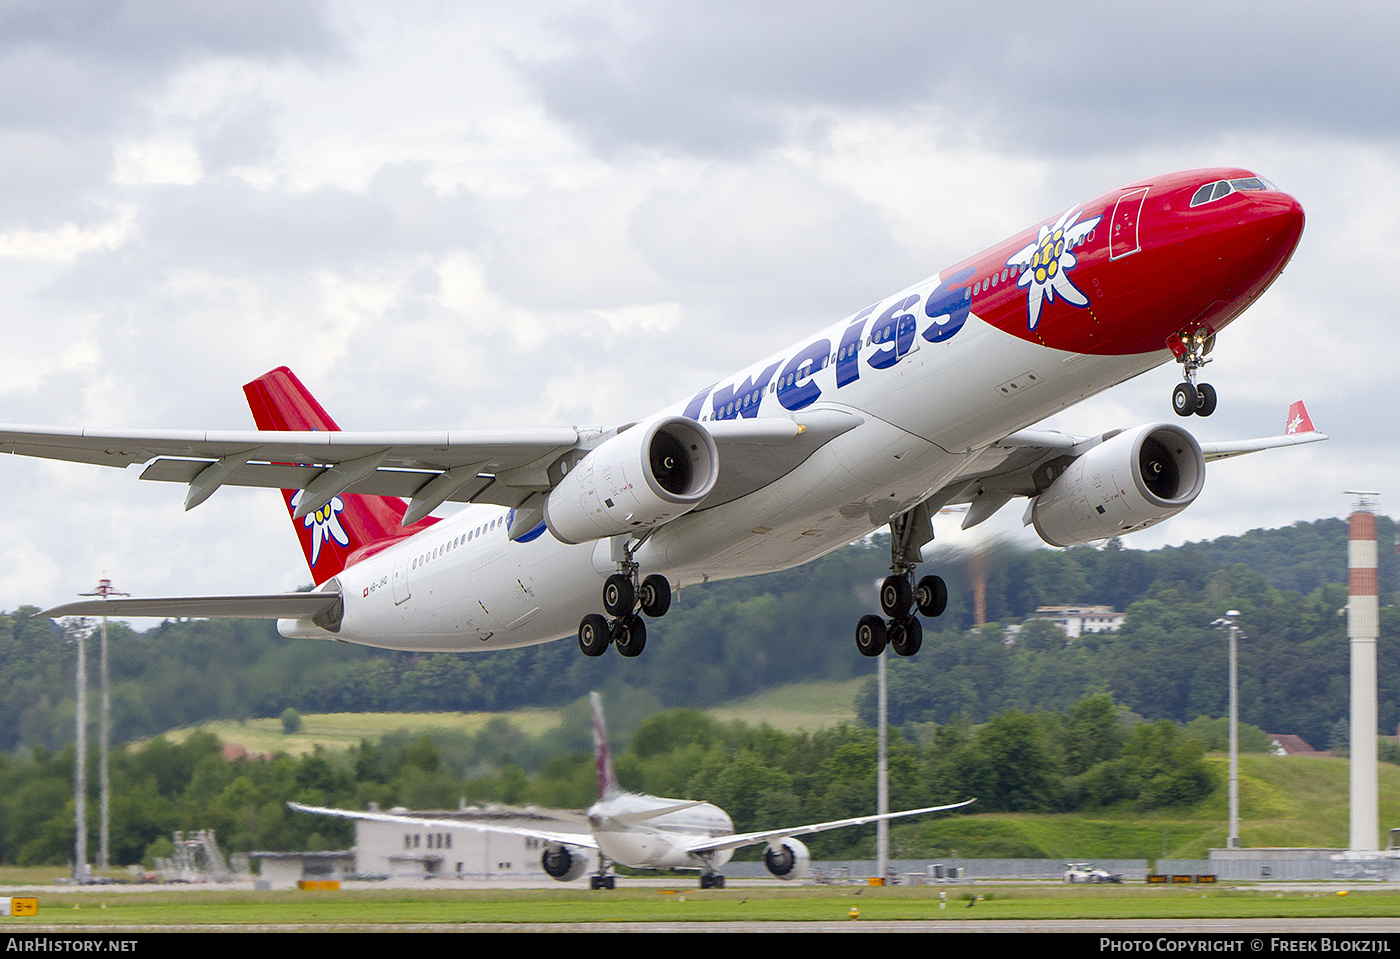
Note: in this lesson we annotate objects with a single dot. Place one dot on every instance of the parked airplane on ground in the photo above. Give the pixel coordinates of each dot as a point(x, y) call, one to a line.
point(920, 400)
point(646, 832)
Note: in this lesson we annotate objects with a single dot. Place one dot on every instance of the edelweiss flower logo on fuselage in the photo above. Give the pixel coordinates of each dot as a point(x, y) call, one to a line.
point(324, 524)
point(1045, 264)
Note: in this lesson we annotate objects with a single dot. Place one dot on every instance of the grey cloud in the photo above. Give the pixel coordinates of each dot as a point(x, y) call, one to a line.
point(75, 74)
point(226, 224)
point(44, 178)
point(724, 78)
point(769, 238)
point(82, 66)
point(242, 134)
point(154, 33)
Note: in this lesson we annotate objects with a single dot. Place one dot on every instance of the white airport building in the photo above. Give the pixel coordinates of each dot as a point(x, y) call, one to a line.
point(444, 847)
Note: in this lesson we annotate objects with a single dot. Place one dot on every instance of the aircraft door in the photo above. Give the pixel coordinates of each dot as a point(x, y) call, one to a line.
point(401, 592)
point(1123, 231)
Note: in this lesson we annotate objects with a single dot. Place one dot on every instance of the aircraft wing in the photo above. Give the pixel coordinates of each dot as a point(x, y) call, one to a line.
point(1220, 451)
point(501, 467)
point(753, 838)
point(580, 840)
point(1020, 464)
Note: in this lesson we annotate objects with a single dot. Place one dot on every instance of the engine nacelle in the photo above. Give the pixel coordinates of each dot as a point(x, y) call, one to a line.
point(564, 863)
point(642, 477)
point(786, 859)
point(1129, 482)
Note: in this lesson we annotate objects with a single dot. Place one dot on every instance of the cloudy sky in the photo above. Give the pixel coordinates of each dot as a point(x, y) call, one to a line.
point(482, 215)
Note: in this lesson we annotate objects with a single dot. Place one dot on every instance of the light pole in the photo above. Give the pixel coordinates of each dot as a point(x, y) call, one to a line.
point(1230, 620)
point(882, 788)
point(79, 629)
point(105, 590)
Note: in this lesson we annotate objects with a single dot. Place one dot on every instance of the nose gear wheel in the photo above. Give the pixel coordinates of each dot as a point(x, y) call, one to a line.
point(1190, 349)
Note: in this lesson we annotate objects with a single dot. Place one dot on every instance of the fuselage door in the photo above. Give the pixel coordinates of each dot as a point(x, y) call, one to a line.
point(401, 562)
point(1123, 231)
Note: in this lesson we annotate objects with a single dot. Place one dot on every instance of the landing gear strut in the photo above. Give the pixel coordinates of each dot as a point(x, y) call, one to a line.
point(900, 595)
point(1190, 350)
point(602, 879)
point(623, 597)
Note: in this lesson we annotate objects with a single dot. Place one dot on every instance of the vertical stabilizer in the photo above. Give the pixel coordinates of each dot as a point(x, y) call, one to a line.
point(1298, 420)
point(349, 527)
point(607, 779)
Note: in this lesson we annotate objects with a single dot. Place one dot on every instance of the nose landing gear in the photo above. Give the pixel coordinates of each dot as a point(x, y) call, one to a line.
point(1190, 350)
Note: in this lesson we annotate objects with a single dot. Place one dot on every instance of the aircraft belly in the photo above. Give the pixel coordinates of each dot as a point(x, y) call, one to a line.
point(851, 486)
point(984, 384)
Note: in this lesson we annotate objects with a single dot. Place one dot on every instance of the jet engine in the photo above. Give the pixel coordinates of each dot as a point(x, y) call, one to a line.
point(564, 863)
point(786, 859)
point(644, 476)
point(1129, 482)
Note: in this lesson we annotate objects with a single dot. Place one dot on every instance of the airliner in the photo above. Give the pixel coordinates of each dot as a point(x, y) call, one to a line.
point(922, 400)
point(645, 832)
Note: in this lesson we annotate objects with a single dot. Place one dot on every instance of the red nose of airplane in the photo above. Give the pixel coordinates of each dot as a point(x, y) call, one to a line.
point(1243, 243)
point(1208, 243)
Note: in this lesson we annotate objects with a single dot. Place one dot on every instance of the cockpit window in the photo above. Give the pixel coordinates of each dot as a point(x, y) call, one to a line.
point(1223, 188)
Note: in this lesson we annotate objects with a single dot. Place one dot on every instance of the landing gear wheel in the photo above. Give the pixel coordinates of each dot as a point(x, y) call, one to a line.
point(896, 596)
point(655, 595)
point(870, 635)
point(619, 596)
point(629, 635)
point(593, 635)
point(601, 882)
point(1185, 399)
point(906, 637)
point(1205, 399)
point(931, 596)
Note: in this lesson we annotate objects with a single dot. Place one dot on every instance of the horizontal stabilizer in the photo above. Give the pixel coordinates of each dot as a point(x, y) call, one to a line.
point(269, 606)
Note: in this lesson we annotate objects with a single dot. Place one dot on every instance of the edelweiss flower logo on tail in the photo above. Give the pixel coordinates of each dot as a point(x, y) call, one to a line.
point(324, 524)
point(1045, 263)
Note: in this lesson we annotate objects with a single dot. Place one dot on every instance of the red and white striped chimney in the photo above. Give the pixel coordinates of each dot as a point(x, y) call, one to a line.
point(1363, 628)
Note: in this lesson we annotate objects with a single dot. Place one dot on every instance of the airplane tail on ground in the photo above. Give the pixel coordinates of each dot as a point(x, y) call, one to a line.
point(607, 779)
point(350, 526)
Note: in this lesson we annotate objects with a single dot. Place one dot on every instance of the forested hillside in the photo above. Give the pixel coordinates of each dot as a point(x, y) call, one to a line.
point(726, 640)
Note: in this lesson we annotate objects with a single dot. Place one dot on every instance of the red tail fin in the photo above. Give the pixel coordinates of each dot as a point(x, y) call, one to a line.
point(351, 526)
point(1298, 420)
point(607, 778)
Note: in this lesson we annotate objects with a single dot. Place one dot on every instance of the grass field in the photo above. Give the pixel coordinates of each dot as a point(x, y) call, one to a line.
point(338, 731)
point(809, 706)
point(683, 904)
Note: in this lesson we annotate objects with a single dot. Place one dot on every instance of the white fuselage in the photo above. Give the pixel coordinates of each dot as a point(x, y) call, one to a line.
point(462, 584)
point(658, 843)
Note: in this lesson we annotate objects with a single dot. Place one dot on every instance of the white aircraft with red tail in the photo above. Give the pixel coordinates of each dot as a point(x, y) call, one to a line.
point(645, 832)
point(920, 400)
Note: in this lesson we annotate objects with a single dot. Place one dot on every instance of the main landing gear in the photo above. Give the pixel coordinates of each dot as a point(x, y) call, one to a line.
point(603, 878)
point(1190, 350)
point(900, 595)
point(623, 597)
